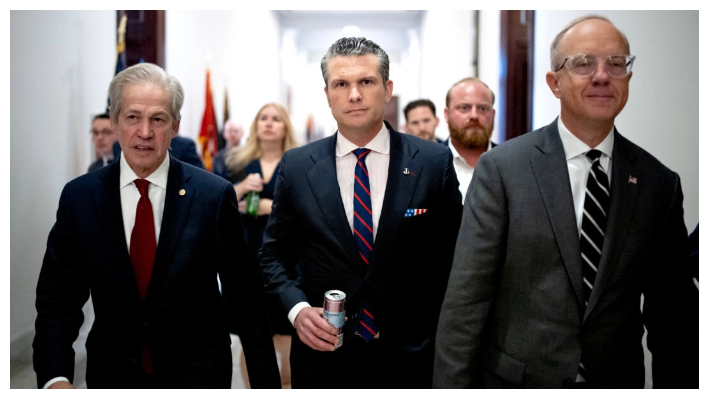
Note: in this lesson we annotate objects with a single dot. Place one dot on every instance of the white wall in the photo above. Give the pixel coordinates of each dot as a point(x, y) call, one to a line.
point(446, 56)
point(662, 113)
point(243, 49)
point(61, 63)
point(489, 58)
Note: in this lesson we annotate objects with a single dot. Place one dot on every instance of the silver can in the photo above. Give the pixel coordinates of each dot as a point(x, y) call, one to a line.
point(334, 312)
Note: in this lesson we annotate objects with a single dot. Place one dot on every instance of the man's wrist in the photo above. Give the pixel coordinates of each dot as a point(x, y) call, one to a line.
point(295, 310)
point(53, 380)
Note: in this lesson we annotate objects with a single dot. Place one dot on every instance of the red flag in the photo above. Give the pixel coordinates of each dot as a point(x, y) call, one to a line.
point(208, 131)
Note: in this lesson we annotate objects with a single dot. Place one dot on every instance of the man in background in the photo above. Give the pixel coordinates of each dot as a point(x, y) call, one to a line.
point(421, 120)
point(470, 116)
point(103, 137)
point(232, 136)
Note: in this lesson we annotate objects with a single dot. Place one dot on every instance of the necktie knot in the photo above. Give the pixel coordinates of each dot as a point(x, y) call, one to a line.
point(361, 153)
point(594, 155)
point(142, 185)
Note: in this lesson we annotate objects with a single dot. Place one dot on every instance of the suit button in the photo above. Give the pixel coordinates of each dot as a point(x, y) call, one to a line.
point(134, 360)
point(354, 316)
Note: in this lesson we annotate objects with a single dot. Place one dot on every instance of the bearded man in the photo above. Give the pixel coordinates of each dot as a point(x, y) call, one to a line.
point(471, 118)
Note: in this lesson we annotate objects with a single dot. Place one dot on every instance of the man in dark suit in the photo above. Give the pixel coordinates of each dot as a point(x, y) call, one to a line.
point(181, 148)
point(470, 115)
point(380, 226)
point(551, 261)
point(103, 137)
point(147, 236)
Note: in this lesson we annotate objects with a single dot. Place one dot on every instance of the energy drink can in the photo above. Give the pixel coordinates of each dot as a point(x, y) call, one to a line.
point(334, 312)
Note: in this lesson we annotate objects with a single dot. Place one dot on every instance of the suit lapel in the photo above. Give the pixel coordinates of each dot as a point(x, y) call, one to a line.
point(175, 213)
point(322, 177)
point(551, 172)
point(399, 191)
point(109, 214)
point(622, 206)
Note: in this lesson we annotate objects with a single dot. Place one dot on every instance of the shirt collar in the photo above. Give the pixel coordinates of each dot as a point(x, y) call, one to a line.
point(455, 153)
point(574, 147)
point(158, 177)
point(380, 143)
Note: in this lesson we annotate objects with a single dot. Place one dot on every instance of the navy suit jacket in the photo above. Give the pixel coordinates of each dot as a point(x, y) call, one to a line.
point(309, 247)
point(181, 148)
point(182, 318)
point(514, 314)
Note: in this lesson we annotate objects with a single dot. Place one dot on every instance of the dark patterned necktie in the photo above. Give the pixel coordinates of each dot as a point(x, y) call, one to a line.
point(593, 227)
point(363, 232)
point(142, 251)
point(593, 223)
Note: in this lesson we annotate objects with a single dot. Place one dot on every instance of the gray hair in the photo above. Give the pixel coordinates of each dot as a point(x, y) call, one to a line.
point(145, 73)
point(554, 51)
point(353, 46)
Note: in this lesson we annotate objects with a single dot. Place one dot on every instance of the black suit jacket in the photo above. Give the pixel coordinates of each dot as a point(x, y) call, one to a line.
point(514, 314)
point(182, 319)
point(309, 248)
point(181, 148)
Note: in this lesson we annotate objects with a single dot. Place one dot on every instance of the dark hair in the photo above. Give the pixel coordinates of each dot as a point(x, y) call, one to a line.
point(101, 116)
point(354, 46)
point(419, 103)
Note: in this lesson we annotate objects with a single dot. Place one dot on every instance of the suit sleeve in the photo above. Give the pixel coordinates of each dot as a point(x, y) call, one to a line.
point(242, 287)
point(671, 305)
point(62, 290)
point(189, 154)
point(279, 254)
point(479, 253)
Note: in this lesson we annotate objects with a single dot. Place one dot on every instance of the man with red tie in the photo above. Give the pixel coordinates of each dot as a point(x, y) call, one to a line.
point(146, 237)
point(373, 213)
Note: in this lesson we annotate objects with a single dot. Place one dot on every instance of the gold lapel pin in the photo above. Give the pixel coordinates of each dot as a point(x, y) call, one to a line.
point(182, 191)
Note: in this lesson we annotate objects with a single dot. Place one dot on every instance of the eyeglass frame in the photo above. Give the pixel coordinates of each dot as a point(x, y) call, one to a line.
point(628, 65)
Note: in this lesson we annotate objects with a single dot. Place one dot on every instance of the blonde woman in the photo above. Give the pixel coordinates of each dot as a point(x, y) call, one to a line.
point(254, 167)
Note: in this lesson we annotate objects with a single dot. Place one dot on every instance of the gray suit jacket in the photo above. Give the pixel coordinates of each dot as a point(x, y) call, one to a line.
point(514, 314)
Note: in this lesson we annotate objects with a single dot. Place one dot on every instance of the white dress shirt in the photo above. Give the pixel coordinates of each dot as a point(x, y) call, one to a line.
point(129, 204)
point(462, 169)
point(579, 165)
point(130, 195)
point(377, 163)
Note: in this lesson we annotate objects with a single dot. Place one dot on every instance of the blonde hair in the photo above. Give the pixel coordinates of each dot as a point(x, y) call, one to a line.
point(237, 158)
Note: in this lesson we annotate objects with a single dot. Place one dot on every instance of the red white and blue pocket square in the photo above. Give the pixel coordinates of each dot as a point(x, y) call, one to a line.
point(414, 212)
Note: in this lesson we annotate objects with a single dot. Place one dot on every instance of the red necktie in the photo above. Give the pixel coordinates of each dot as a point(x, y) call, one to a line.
point(142, 251)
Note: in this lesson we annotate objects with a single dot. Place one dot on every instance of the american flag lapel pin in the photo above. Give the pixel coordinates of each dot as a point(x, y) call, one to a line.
point(408, 172)
point(632, 179)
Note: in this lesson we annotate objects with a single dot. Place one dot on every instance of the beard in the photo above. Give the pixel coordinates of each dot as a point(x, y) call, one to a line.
point(471, 137)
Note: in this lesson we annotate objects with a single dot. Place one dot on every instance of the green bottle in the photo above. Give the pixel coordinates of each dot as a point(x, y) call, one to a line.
point(252, 199)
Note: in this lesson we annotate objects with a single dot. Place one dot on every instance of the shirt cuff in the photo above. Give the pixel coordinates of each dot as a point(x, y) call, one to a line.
point(53, 380)
point(296, 309)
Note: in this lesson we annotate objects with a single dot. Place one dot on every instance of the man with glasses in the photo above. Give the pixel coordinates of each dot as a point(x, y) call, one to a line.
point(471, 119)
point(103, 138)
point(564, 232)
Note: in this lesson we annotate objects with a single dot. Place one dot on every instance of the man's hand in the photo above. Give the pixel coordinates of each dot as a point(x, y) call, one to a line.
point(61, 385)
point(314, 331)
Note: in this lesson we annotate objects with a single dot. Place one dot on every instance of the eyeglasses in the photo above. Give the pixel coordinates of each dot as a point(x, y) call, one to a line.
point(482, 109)
point(617, 66)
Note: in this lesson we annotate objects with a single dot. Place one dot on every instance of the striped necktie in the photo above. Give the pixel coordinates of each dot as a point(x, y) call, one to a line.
point(363, 232)
point(593, 227)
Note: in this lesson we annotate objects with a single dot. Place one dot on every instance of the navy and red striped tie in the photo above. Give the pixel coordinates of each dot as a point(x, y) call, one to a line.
point(363, 231)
